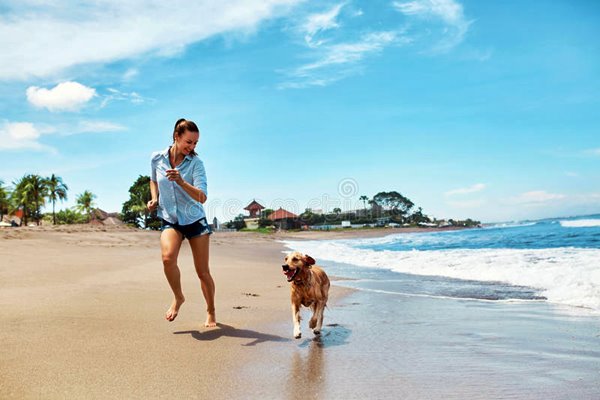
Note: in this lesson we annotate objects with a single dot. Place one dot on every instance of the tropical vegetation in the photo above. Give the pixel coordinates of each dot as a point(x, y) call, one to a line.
point(30, 193)
point(4, 200)
point(57, 190)
point(135, 211)
point(85, 203)
point(384, 208)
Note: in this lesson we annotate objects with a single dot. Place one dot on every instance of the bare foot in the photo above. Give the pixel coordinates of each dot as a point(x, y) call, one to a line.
point(174, 309)
point(211, 320)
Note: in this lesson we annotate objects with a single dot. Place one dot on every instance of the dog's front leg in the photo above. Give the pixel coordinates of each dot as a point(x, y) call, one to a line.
point(296, 320)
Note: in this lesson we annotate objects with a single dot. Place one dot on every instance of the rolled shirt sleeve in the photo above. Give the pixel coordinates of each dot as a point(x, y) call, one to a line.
point(199, 176)
point(154, 165)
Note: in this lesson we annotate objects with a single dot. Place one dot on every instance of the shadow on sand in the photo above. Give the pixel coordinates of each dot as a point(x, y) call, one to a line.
point(227, 330)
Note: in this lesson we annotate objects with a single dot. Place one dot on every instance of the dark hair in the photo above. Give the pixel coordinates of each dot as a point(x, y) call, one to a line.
point(183, 125)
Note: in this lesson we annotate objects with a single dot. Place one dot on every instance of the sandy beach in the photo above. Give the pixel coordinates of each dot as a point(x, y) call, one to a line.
point(83, 317)
point(83, 314)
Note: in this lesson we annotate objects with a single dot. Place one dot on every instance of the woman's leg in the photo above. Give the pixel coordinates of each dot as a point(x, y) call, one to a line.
point(200, 245)
point(170, 243)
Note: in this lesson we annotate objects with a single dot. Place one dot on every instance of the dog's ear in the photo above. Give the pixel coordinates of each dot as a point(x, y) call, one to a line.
point(308, 260)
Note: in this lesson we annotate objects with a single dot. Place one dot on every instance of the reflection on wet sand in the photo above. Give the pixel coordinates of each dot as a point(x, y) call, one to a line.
point(307, 379)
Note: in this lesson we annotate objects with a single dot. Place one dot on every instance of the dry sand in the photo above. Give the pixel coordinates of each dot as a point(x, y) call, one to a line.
point(82, 310)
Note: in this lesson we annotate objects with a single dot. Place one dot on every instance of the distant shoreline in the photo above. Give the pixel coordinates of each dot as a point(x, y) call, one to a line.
point(280, 235)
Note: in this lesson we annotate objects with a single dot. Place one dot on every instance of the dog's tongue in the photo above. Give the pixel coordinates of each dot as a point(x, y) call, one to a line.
point(289, 273)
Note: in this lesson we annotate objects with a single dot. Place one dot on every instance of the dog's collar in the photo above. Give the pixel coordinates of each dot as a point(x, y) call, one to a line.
point(300, 282)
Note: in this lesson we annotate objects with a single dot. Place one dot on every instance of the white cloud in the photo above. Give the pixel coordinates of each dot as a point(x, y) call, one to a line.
point(22, 131)
point(39, 39)
point(26, 135)
point(337, 60)
point(471, 189)
point(117, 95)
point(130, 74)
point(449, 12)
point(344, 53)
point(21, 136)
point(536, 197)
point(66, 96)
point(317, 23)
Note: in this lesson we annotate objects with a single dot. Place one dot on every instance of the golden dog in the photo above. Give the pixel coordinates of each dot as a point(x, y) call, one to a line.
point(309, 287)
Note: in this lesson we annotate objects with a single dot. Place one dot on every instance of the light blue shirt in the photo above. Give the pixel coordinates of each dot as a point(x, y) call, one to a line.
point(174, 204)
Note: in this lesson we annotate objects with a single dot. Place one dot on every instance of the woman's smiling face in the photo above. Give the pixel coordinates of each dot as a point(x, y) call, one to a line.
point(187, 141)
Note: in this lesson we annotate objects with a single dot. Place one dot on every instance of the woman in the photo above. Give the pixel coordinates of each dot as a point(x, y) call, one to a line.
point(178, 189)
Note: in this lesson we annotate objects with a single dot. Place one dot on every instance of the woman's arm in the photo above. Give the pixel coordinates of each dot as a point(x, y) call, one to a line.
point(153, 203)
point(194, 192)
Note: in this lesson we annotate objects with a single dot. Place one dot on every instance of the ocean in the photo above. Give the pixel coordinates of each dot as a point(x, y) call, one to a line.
point(507, 311)
point(556, 261)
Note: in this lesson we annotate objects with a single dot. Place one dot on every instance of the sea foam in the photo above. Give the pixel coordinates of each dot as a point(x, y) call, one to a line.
point(580, 223)
point(563, 275)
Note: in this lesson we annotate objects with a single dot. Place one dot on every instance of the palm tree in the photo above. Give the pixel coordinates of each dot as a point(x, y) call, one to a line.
point(18, 199)
point(30, 193)
point(85, 202)
point(57, 190)
point(364, 199)
point(4, 200)
point(37, 187)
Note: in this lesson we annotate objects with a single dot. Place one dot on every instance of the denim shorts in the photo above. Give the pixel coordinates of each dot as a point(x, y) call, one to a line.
point(190, 231)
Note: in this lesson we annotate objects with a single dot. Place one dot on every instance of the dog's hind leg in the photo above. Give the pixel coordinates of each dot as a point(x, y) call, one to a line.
point(315, 316)
point(296, 320)
point(318, 318)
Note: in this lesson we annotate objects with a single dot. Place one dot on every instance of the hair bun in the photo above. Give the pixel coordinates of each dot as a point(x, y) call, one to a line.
point(179, 121)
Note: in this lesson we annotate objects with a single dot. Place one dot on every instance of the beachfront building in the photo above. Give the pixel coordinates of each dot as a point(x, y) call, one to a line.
point(254, 208)
point(284, 219)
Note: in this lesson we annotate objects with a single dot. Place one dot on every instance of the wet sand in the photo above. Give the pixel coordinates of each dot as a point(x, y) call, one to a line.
point(82, 313)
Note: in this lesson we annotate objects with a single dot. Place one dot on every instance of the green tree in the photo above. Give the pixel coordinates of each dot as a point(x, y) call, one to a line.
point(237, 223)
point(418, 217)
point(394, 202)
point(57, 190)
point(135, 210)
point(4, 200)
point(364, 199)
point(29, 194)
point(69, 216)
point(266, 212)
point(264, 222)
point(85, 203)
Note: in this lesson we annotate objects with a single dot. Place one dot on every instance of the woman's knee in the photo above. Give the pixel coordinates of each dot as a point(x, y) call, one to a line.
point(169, 260)
point(204, 276)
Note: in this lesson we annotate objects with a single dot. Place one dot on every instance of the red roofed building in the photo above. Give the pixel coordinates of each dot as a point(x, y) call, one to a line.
point(281, 214)
point(284, 219)
point(254, 209)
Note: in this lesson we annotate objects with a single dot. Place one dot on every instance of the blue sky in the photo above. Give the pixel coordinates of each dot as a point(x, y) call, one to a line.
point(488, 110)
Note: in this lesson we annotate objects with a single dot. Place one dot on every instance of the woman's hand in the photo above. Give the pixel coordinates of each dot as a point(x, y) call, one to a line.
point(173, 175)
point(152, 204)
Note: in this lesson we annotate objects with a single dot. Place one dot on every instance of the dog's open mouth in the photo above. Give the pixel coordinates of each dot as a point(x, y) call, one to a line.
point(290, 274)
